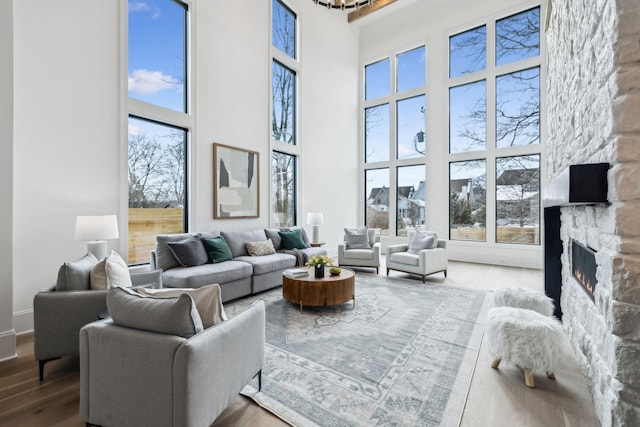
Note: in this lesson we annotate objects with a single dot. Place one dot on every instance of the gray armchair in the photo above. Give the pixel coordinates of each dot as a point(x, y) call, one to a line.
point(135, 377)
point(59, 315)
point(422, 262)
point(365, 257)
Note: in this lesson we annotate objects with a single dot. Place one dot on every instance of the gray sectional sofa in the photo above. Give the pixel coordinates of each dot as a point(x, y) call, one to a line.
point(242, 275)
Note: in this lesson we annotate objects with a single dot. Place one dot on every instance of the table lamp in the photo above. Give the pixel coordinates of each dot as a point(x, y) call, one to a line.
point(96, 230)
point(315, 219)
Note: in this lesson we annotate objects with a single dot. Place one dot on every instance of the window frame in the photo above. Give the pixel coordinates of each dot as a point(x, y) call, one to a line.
point(135, 108)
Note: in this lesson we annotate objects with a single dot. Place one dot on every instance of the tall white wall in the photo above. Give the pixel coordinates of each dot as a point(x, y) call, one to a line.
point(431, 23)
point(68, 149)
point(7, 333)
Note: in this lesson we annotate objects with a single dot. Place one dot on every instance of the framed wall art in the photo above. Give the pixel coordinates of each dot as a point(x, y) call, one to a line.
point(236, 182)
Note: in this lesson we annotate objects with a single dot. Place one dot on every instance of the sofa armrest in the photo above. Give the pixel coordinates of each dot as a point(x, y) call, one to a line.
point(396, 248)
point(153, 260)
point(221, 360)
point(58, 317)
point(146, 278)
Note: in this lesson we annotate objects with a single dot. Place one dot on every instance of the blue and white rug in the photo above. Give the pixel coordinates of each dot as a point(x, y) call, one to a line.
point(404, 356)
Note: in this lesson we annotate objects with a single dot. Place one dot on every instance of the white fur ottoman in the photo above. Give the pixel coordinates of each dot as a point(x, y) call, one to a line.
point(525, 338)
point(523, 298)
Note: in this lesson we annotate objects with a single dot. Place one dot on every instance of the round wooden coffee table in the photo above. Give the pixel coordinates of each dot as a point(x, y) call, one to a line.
point(329, 290)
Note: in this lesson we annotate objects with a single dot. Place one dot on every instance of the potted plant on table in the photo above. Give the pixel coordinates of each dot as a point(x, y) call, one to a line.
point(318, 262)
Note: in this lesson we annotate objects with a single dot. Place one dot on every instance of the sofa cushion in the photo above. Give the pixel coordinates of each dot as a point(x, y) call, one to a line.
point(420, 241)
point(237, 240)
point(217, 249)
point(111, 271)
point(189, 252)
point(76, 275)
point(269, 263)
point(172, 316)
point(405, 258)
point(357, 238)
point(207, 299)
point(206, 274)
point(292, 239)
point(272, 233)
point(261, 248)
point(358, 254)
point(165, 259)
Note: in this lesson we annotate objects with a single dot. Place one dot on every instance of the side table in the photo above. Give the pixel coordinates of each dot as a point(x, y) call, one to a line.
point(317, 244)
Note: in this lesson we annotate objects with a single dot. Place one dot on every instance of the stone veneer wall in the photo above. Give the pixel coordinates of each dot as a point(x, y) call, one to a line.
point(593, 100)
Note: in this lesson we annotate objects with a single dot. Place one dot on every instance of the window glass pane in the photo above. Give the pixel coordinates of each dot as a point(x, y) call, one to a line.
point(518, 108)
point(377, 190)
point(410, 124)
point(467, 200)
point(518, 200)
point(468, 52)
point(157, 40)
point(411, 69)
point(376, 79)
point(410, 199)
point(283, 29)
point(468, 117)
point(283, 172)
point(284, 104)
point(376, 133)
point(157, 176)
point(518, 37)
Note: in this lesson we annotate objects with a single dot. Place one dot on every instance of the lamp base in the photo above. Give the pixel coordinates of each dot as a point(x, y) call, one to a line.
point(316, 233)
point(98, 248)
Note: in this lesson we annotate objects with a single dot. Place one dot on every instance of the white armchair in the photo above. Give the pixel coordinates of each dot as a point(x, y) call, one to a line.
point(365, 257)
point(409, 258)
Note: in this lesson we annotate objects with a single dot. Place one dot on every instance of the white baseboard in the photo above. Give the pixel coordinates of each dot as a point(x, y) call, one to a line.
point(8, 345)
point(23, 321)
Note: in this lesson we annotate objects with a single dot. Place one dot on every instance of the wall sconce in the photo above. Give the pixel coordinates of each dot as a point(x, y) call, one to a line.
point(96, 230)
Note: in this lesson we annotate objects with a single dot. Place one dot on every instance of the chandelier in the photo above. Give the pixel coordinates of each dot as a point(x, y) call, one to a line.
point(344, 4)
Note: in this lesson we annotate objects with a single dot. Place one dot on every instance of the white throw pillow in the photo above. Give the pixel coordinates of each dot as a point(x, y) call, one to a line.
point(110, 271)
point(207, 299)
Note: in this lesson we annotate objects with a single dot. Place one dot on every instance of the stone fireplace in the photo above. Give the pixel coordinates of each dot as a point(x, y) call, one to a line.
point(593, 116)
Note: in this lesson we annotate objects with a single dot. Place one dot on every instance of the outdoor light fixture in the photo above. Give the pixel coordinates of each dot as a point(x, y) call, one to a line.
point(344, 4)
point(96, 230)
point(315, 219)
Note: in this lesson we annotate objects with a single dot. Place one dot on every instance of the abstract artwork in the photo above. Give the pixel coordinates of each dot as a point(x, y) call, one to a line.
point(236, 183)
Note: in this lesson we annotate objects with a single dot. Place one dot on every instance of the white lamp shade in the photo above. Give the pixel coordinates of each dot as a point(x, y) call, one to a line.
point(99, 227)
point(315, 218)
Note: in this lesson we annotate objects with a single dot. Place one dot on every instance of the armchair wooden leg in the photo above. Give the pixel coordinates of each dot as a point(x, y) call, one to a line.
point(445, 274)
point(387, 271)
point(41, 367)
point(259, 375)
point(424, 278)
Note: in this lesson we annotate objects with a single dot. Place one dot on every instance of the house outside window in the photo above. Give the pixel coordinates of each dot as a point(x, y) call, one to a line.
point(285, 150)
point(394, 142)
point(494, 150)
point(159, 123)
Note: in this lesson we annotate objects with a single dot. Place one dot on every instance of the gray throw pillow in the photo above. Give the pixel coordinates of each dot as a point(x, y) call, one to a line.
point(237, 240)
point(189, 252)
point(76, 275)
point(356, 238)
point(420, 241)
point(172, 316)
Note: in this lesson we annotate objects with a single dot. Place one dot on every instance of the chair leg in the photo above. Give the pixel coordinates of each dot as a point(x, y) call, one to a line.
point(424, 278)
point(41, 367)
point(528, 378)
point(259, 375)
point(377, 268)
point(445, 274)
point(496, 363)
point(551, 375)
point(387, 271)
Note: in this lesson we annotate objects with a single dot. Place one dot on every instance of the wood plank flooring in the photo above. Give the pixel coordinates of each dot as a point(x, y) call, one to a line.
point(496, 397)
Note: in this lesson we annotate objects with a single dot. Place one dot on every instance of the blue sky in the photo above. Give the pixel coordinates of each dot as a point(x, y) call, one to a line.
point(156, 52)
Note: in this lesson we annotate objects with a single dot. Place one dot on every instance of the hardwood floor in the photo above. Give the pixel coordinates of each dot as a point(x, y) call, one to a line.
point(496, 397)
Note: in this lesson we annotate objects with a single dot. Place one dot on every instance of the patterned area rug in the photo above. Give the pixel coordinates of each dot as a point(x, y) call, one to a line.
point(403, 356)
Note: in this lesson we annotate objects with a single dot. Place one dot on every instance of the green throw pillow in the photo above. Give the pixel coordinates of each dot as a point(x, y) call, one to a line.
point(217, 249)
point(292, 239)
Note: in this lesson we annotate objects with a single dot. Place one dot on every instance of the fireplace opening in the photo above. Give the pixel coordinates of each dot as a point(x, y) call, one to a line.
point(583, 266)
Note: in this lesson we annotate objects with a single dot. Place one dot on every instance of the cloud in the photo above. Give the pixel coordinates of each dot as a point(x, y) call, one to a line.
point(146, 82)
point(134, 130)
point(143, 7)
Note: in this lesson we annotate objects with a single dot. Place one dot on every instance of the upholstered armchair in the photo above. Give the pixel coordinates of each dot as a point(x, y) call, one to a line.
point(359, 254)
point(423, 255)
point(58, 316)
point(143, 377)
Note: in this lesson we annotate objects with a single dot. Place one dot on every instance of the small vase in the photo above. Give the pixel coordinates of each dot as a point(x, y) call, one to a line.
point(319, 271)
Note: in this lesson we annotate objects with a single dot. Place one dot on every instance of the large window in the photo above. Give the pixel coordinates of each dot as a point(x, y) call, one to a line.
point(158, 124)
point(394, 158)
point(503, 138)
point(284, 112)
